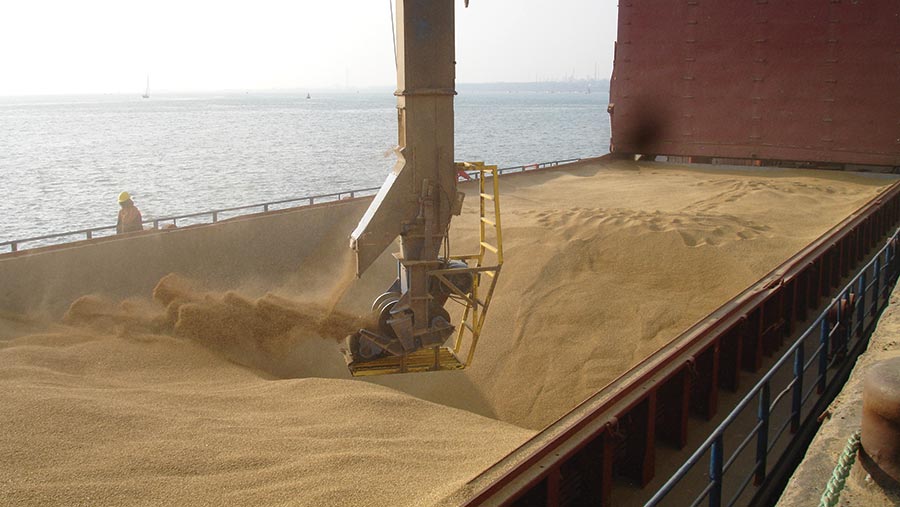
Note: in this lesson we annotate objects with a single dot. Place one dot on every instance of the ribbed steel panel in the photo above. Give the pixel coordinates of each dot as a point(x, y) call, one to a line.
point(810, 80)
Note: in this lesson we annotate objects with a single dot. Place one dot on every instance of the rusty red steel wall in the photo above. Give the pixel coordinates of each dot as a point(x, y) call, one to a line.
point(618, 436)
point(803, 80)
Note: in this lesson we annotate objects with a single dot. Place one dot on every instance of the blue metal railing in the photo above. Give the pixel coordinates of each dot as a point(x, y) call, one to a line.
point(213, 216)
point(837, 332)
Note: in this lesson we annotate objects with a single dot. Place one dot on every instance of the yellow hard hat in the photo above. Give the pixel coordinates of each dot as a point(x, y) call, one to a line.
point(124, 196)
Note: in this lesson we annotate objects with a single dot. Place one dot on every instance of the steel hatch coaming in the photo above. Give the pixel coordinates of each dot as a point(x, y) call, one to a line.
point(804, 81)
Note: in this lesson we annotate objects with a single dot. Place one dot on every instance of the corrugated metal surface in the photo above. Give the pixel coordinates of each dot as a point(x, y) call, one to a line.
point(808, 80)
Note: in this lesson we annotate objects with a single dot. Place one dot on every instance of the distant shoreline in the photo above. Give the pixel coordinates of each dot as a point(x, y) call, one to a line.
point(571, 86)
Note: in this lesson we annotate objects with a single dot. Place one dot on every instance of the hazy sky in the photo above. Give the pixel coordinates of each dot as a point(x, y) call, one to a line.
point(98, 46)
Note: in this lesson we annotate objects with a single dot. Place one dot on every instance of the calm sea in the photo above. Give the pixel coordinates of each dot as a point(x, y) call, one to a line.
point(64, 160)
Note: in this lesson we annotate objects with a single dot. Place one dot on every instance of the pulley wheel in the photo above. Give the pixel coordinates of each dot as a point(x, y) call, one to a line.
point(381, 307)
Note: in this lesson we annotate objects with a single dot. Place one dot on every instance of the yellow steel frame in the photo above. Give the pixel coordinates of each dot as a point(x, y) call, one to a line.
point(487, 263)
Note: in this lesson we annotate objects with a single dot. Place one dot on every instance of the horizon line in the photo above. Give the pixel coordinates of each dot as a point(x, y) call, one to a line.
point(331, 89)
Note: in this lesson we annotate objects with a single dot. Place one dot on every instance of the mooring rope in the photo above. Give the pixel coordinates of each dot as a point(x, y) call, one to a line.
point(839, 476)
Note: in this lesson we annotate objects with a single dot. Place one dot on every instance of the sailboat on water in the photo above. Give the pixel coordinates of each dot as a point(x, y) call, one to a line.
point(146, 94)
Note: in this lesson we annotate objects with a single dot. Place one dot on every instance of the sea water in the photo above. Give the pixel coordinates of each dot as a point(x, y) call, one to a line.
point(64, 160)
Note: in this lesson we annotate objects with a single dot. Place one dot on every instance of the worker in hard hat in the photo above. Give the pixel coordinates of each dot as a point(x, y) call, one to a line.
point(130, 219)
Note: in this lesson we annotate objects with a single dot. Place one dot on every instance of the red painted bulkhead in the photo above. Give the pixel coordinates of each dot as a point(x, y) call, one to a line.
point(807, 80)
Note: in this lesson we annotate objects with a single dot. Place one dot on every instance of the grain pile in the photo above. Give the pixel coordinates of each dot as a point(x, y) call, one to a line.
point(604, 265)
point(139, 404)
point(194, 396)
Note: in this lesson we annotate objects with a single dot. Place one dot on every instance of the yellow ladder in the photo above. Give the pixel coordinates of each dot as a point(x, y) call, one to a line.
point(488, 260)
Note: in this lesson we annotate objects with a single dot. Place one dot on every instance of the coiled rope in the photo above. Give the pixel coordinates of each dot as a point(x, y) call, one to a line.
point(838, 479)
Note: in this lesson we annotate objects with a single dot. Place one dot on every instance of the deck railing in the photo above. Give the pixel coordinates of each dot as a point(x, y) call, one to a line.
point(836, 336)
point(213, 216)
